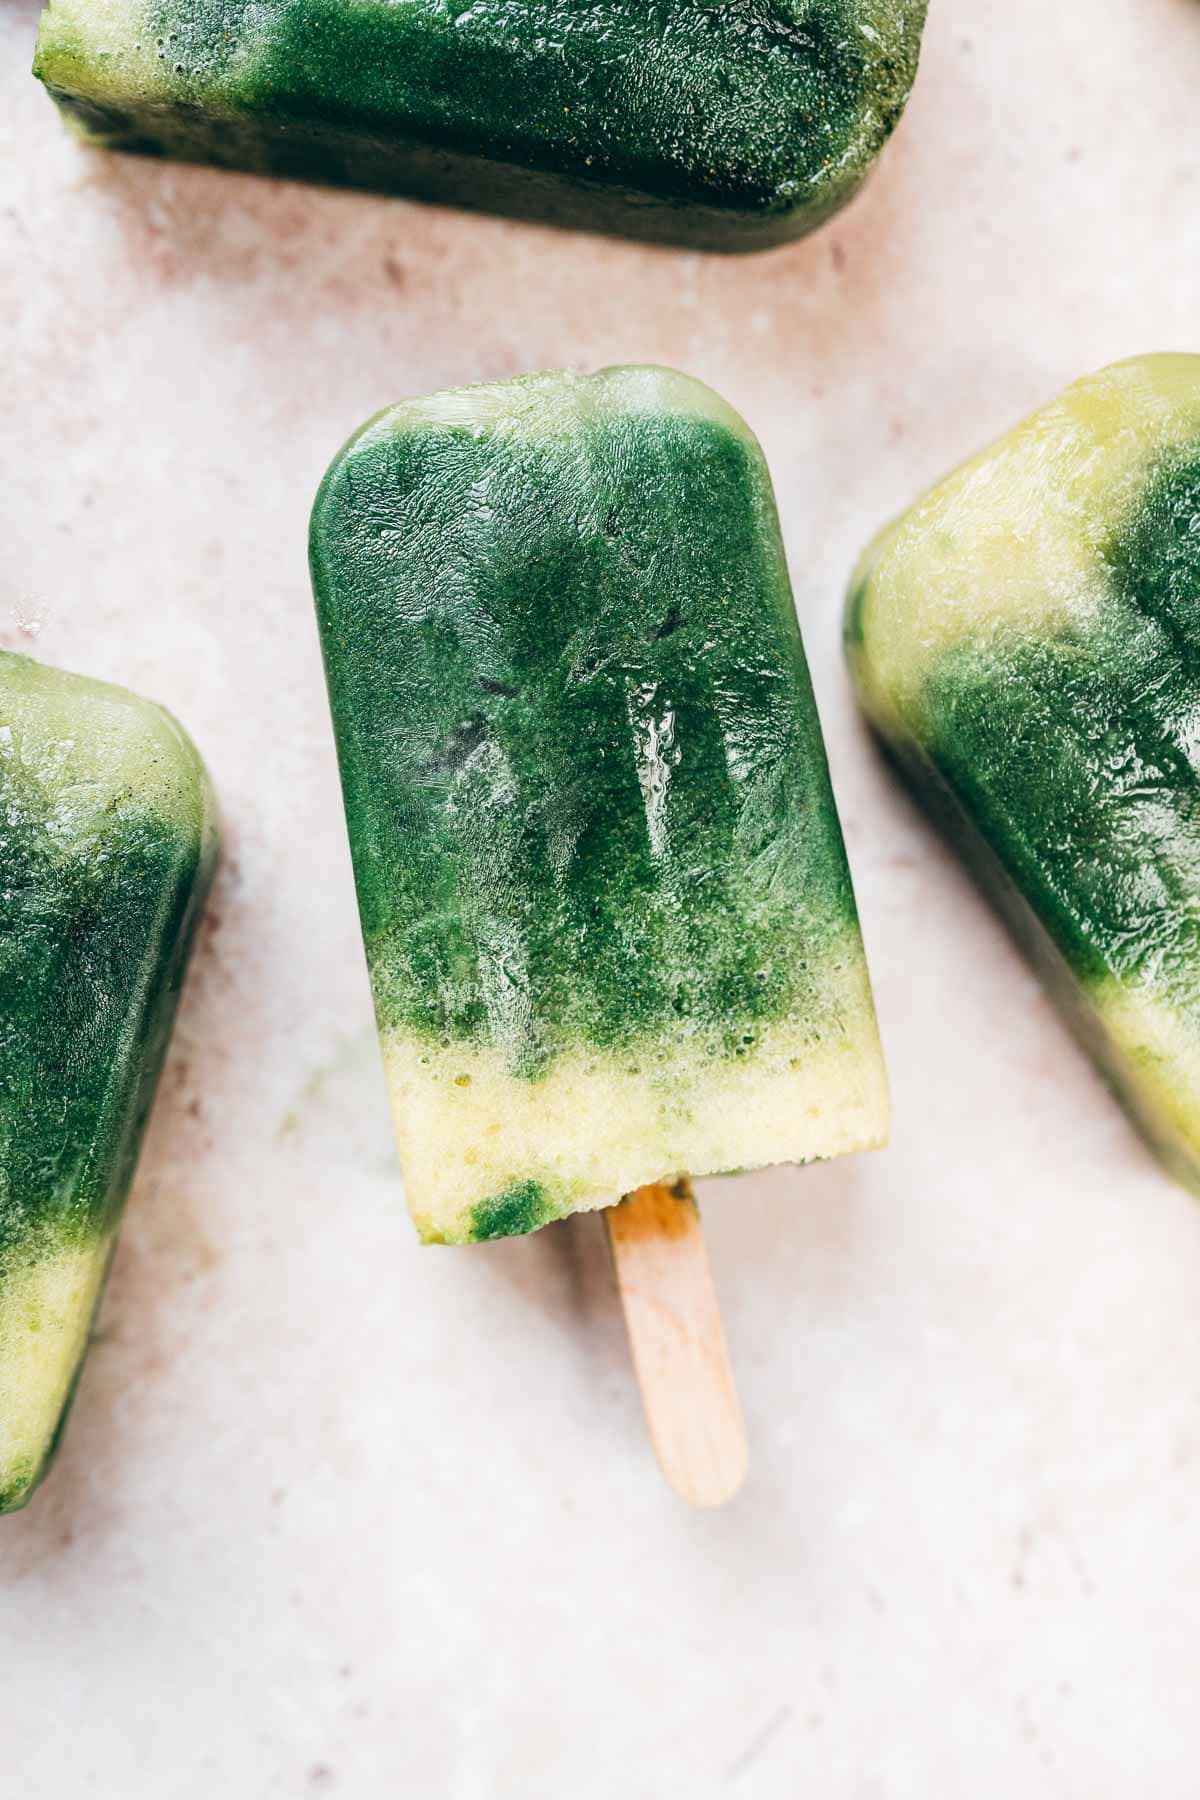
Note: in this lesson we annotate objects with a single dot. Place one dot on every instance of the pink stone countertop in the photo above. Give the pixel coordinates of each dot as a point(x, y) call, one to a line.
point(337, 1515)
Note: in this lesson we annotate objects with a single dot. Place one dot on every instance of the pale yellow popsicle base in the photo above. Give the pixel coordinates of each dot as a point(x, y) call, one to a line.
point(599, 1126)
point(678, 1342)
point(46, 1311)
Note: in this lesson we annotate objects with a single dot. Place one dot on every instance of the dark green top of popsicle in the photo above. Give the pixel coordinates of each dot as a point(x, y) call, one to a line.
point(106, 846)
point(733, 124)
point(584, 778)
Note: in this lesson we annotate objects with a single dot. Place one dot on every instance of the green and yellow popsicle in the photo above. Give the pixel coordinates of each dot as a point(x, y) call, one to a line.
point(1026, 640)
point(604, 896)
point(606, 906)
point(718, 127)
point(107, 843)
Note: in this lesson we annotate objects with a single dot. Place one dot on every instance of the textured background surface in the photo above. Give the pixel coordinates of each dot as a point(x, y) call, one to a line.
point(338, 1515)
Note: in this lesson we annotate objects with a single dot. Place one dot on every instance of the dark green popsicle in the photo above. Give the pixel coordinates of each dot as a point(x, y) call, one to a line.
point(725, 127)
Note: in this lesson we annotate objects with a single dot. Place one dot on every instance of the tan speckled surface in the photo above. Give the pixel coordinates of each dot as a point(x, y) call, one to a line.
point(339, 1515)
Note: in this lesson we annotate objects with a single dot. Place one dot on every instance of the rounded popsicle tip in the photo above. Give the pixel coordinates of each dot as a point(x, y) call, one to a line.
point(1015, 539)
point(88, 743)
point(546, 405)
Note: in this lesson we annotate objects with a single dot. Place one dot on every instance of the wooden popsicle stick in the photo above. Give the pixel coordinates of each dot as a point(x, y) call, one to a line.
point(678, 1341)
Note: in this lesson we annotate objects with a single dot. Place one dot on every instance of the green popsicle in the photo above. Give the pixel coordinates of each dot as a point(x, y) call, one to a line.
point(1026, 639)
point(604, 896)
point(727, 127)
point(107, 841)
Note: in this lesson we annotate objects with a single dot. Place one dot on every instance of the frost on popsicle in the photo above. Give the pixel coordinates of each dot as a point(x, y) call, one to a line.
point(1026, 639)
point(106, 847)
point(727, 127)
point(603, 891)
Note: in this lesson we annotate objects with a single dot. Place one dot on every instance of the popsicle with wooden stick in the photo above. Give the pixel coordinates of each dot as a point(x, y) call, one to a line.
point(603, 891)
